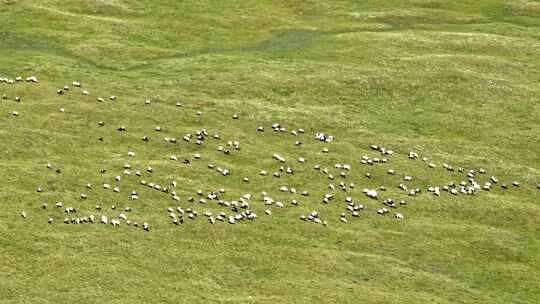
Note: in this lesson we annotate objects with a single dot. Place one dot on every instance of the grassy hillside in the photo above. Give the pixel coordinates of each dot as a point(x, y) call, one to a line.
point(457, 82)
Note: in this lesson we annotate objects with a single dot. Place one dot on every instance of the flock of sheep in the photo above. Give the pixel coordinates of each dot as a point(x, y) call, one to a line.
point(241, 209)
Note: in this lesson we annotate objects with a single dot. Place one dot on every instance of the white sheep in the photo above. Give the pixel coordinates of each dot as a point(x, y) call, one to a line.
point(371, 193)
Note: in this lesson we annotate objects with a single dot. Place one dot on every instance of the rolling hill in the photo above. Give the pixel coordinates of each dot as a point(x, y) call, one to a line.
point(457, 83)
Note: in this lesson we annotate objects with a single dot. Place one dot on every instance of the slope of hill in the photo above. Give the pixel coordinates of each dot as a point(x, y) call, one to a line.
point(455, 82)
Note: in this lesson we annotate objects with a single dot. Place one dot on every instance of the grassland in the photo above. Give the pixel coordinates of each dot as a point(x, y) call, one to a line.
point(455, 81)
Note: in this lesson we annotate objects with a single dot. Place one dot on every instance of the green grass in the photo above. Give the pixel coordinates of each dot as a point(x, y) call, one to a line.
point(455, 81)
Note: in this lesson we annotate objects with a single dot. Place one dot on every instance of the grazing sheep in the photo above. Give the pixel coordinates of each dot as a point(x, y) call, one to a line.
point(370, 193)
point(382, 211)
point(324, 137)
